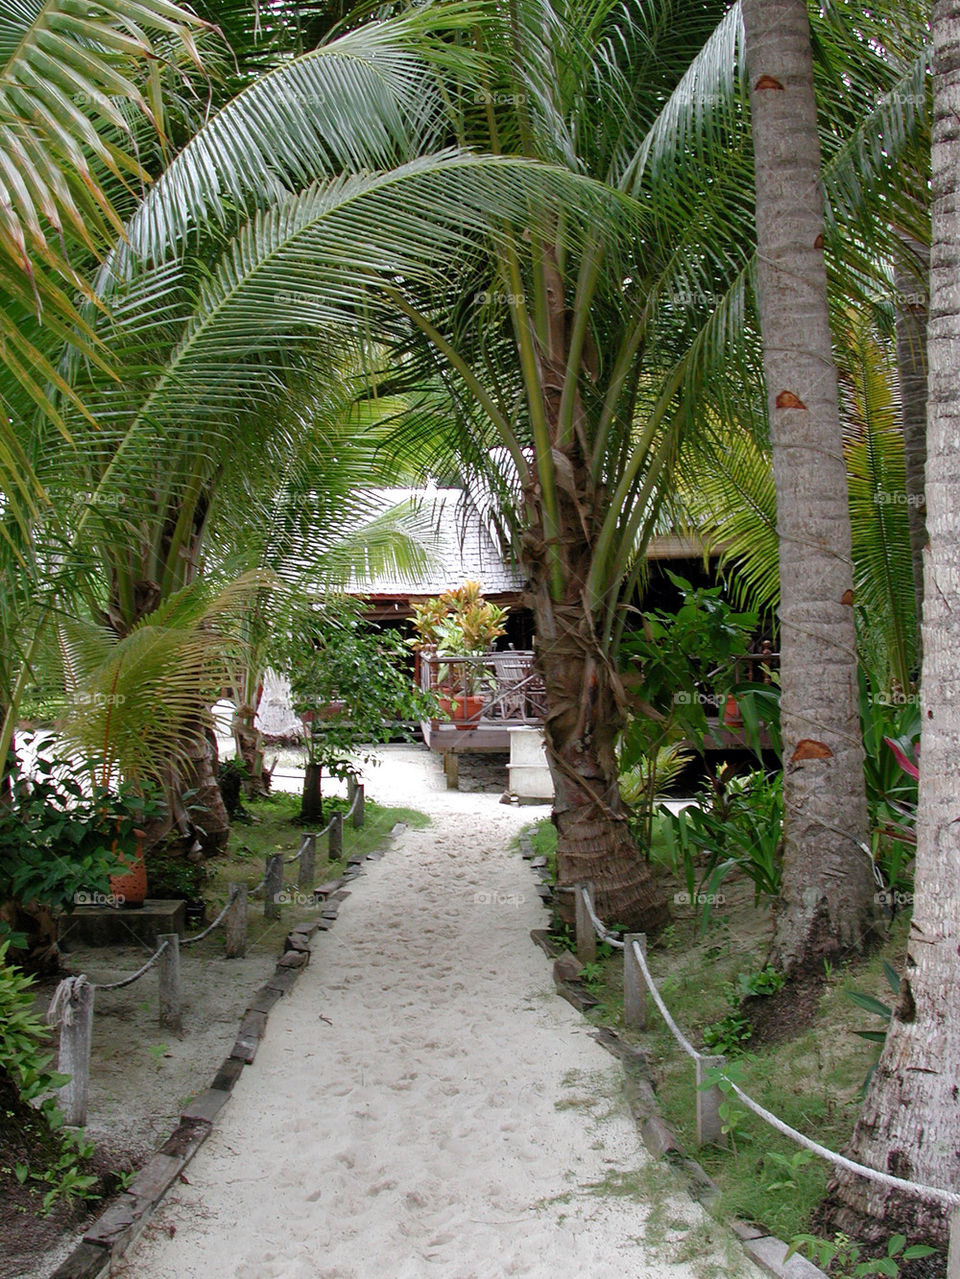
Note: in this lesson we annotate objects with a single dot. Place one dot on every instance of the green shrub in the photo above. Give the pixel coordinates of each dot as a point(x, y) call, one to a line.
point(737, 828)
point(22, 1037)
point(57, 840)
point(728, 1036)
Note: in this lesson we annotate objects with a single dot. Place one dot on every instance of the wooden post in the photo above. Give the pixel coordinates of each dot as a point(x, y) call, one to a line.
point(358, 811)
point(335, 844)
point(634, 985)
point(76, 1033)
point(953, 1253)
point(308, 862)
point(586, 937)
point(273, 887)
point(235, 923)
point(709, 1101)
point(170, 1013)
point(451, 769)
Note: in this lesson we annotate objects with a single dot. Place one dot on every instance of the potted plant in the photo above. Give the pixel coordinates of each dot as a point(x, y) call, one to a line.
point(460, 624)
point(129, 811)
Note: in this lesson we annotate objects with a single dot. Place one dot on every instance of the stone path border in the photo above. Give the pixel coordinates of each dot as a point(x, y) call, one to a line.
point(764, 1249)
point(109, 1237)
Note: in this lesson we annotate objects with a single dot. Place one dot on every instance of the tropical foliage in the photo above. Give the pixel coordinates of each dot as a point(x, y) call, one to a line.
point(350, 686)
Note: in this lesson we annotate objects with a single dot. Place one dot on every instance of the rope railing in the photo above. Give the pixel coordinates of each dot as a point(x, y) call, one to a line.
point(189, 941)
point(72, 1004)
point(128, 981)
point(598, 926)
point(672, 1026)
point(306, 839)
point(355, 811)
point(711, 1074)
point(73, 1001)
point(261, 883)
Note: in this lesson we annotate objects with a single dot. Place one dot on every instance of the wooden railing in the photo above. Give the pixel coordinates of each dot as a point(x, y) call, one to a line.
point(756, 668)
point(505, 686)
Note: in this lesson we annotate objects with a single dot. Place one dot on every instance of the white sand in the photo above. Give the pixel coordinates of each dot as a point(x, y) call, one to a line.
point(423, 1103)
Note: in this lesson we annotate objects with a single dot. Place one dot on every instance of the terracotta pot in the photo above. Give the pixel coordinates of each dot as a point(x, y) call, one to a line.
point(731, 713)
point(461, 707)
point(468, 708)
point(130, 887)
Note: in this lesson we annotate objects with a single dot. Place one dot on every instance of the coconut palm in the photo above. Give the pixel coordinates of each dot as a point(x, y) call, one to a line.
point(908, 1124)
point(827, 884)
point(127, 506)
point(606, 359)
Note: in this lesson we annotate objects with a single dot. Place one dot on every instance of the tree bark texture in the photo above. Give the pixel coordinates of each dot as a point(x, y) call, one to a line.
point(207, 810)
point(311, 799)
point(826, 905)
point(910, 1122)
point(910, 281)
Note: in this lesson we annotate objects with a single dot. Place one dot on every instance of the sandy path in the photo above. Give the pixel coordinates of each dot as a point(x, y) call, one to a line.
point(423, 1103)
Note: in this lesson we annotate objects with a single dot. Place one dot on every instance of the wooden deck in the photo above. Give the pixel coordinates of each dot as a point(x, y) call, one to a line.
point(512, 697)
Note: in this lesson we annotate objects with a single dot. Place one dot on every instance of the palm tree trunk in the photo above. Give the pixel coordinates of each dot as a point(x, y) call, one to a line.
point(912, 320)
point(583, 721)
point(908, 1125)
point(198, 775)
point(827, 893)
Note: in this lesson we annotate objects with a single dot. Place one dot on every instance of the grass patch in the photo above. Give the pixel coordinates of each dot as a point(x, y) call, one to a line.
point(542, 839)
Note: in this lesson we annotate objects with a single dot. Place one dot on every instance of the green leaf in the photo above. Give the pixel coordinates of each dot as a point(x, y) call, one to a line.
point(870, 1004)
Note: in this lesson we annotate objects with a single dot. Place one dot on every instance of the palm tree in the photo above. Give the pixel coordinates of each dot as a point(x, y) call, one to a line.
point(607, 359)
point(126, 506)
point(827, 887)
point(908, 1124)
point(228, 348)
